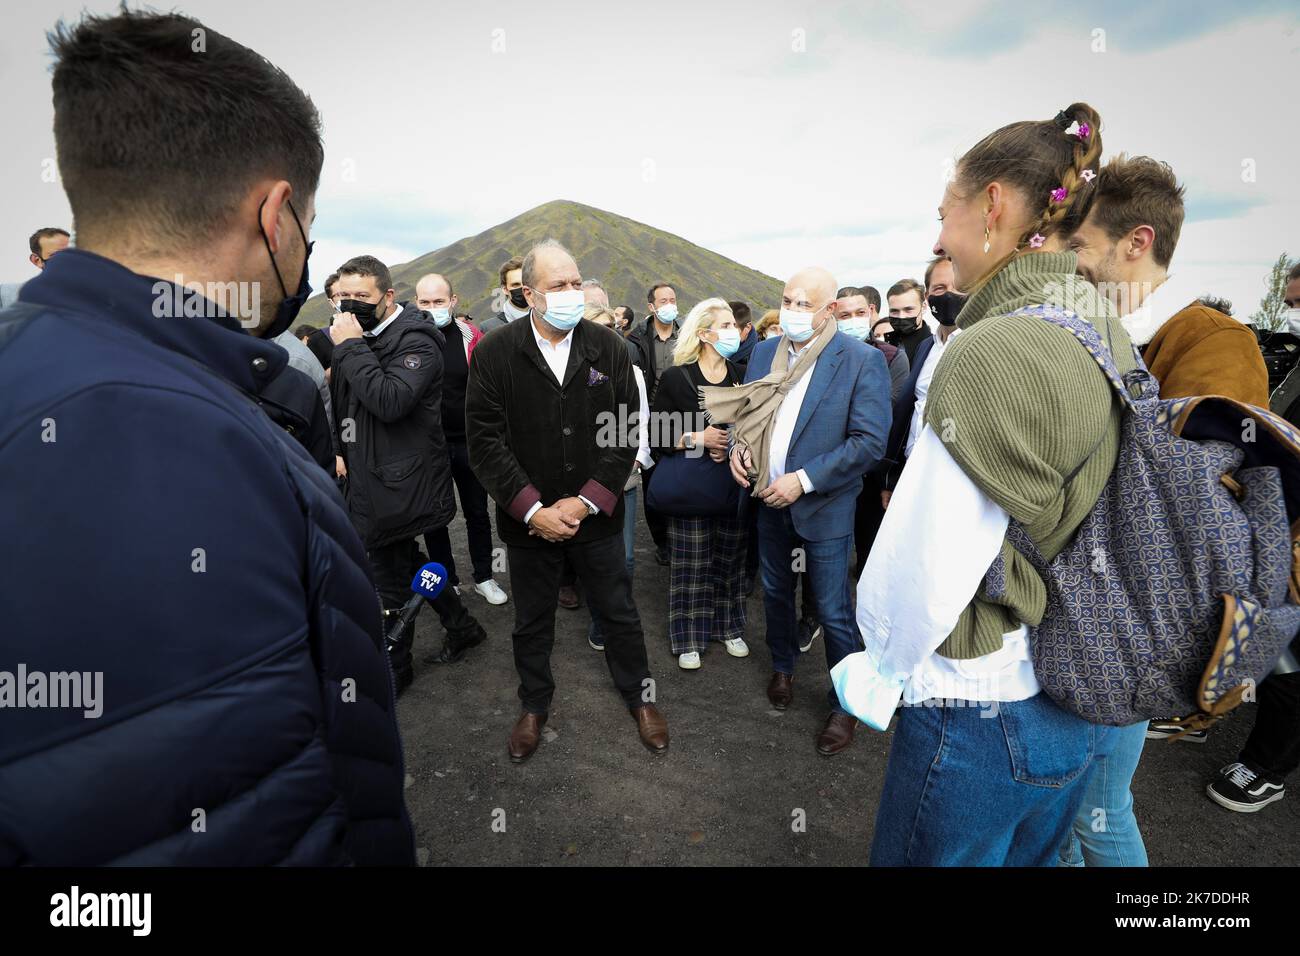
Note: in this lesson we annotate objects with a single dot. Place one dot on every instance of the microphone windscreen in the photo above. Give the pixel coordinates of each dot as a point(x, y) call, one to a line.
point(430, 580)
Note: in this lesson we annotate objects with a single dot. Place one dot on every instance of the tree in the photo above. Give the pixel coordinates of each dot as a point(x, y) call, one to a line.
point(1268, 316)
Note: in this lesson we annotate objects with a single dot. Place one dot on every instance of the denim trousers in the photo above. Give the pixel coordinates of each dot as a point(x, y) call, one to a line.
point(1105, 831)
point(984, 783)
point(826, 566)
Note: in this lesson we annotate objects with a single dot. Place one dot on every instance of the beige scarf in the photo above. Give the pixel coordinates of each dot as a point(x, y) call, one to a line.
point(752, 407)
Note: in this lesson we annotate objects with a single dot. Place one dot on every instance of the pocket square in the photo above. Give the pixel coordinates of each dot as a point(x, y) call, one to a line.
point(596, 378)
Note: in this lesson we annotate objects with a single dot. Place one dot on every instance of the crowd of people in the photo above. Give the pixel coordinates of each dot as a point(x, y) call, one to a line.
point(245, 487)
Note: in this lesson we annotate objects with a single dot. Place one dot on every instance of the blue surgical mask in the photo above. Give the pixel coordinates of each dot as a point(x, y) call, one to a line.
point(666, 314)
point(728, 342)
point(564, 309)
point(856, 328)
point(441, 317)
point(797, 326)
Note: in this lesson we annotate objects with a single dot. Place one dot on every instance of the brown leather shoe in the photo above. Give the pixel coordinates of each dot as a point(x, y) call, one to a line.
point(836, 735)
point(525, 736)
point(779, 691)
point(652, 727)
point(568, 598)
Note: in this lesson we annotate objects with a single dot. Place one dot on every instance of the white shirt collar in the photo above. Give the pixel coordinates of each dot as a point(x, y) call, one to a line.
point(1165, 301)
point(379, 329)
point(544, 343)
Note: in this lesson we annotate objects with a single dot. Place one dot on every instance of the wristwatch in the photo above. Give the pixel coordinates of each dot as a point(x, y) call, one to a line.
point(688, 441)
point(591, 509)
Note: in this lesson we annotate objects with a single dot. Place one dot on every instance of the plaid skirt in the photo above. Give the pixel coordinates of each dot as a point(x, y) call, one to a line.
point(705, 597)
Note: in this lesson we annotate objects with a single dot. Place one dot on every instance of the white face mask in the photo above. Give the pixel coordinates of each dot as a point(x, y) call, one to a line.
point(1291, 320)
point(798, 326)
point(564, 309)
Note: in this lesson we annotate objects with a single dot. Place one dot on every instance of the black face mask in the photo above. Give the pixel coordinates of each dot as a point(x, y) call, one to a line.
point(903, 324)
point(366, 313)
point(517, 298)
point(288, 308)
point(946, 306)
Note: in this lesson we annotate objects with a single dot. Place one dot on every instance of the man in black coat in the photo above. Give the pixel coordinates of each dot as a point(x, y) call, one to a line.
point(546, 412)
point(387, 388)
point(511, 296)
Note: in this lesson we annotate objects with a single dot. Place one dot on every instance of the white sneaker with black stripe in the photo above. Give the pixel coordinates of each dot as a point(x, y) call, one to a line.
point(1244, 788)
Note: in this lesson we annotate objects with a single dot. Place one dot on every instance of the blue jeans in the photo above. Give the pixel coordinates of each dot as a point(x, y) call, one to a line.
point(629, 552)
point(1105, 831)
point(993, 784)
point(827, 565)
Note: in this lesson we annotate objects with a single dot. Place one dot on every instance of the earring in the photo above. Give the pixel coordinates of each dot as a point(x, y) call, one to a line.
point(986, 240)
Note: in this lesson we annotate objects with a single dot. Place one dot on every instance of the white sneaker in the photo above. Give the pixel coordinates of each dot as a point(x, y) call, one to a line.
point(690, 661)
point(737, 647)
point(491, 592)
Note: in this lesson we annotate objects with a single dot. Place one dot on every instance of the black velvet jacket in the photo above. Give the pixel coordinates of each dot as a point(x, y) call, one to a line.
point(534, 439)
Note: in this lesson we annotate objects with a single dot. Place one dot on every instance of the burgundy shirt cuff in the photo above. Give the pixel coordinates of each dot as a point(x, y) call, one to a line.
point(527, 497)
point(599, 495)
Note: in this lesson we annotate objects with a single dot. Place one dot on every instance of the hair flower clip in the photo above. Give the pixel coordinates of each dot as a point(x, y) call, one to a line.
point(1036, 241)
point(1059, 194)
point(1081, 130)
point(1088, 175)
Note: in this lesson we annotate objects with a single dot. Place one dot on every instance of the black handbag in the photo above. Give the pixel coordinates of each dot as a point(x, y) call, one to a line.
point(683, 485)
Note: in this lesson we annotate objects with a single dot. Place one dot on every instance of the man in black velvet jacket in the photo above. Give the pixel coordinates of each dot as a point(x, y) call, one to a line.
point(539, 392)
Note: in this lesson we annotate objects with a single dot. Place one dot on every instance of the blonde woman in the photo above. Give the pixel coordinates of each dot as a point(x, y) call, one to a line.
point(769, 324)
point(705, 596)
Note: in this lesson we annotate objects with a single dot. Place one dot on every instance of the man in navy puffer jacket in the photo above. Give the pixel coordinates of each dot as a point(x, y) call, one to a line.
point(192, 573)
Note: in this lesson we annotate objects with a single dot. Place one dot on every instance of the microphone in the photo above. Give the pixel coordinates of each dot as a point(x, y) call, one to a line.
point(427, 584)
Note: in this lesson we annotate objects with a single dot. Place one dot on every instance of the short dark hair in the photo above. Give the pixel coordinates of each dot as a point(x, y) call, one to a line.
point(631, 314)
point(510, 265)
point(331, 282)
point(741, 311)
point(904, 286)
point(650, 296)
point(1294, 273)
point(162, 123)
point(1140, 191)
point(930, 267)
point(873, 296)
point(302, 330)
point(848, 292)
point(49, 232)
point(368, 266)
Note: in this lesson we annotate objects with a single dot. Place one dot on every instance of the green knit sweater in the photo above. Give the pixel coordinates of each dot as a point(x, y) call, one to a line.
point(1019, 405)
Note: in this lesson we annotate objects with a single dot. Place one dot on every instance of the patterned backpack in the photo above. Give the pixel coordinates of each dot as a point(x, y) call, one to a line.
point(1180, 590)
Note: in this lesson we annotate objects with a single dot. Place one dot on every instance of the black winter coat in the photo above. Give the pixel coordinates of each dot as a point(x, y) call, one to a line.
point(534, 439)
point(641, 340)
point(387, 394)
point(293, 402)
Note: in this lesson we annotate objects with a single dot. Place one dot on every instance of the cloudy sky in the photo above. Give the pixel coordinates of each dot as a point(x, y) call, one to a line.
point(775, 132)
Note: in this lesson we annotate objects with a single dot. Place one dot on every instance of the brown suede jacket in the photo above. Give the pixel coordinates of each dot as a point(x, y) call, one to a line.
point(1201, 351)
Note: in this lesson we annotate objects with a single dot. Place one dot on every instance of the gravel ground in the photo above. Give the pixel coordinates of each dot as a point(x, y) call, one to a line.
point(739, 777)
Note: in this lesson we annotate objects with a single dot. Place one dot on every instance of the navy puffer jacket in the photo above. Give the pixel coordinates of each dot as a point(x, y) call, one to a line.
point(169, 545)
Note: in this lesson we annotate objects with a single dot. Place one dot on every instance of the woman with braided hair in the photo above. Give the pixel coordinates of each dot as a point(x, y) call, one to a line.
point(984, 768)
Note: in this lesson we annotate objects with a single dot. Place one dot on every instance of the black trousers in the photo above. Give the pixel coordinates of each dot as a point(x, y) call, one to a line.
point(474, 505)
point(535, 576)
point(394, 565)
point(1274, 743)
point(866, 520)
